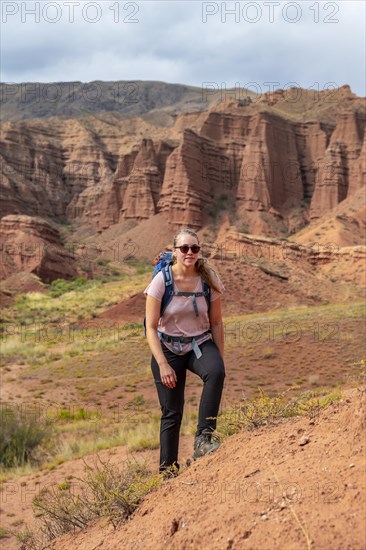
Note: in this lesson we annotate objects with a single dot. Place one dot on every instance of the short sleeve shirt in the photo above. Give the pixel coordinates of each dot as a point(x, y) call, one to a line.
point(179, 318)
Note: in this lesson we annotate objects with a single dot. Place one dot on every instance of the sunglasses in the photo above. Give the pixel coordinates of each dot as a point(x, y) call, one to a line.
point(184, 248)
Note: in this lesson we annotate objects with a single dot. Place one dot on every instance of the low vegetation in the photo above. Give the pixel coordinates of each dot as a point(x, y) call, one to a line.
point(108, 369)
point(21, 437)
point(28, 445)
point(104, 491)
point(75, 299)
point(264, 410)
point(109, 492)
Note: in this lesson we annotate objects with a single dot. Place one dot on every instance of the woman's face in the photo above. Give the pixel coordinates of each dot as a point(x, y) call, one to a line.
point(186, 257)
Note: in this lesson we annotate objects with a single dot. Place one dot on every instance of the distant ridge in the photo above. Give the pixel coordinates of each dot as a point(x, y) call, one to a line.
point(133, 98)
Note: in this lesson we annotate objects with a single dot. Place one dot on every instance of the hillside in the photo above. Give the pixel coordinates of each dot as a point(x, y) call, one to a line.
point(298, 485)
point(73, 99)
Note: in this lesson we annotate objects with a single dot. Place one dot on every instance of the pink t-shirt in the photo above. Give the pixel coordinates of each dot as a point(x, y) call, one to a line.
point(179, 318)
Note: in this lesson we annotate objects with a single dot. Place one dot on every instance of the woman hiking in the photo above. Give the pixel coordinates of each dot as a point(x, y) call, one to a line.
point(174, 350)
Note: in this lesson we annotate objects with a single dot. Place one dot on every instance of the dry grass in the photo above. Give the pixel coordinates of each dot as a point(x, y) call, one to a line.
point(104, 491)
point(265, 410)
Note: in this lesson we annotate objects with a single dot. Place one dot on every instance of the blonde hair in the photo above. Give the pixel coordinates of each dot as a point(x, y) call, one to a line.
point(201, 266)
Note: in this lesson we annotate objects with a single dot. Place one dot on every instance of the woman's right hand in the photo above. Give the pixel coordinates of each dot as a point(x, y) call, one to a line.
point(167, 375)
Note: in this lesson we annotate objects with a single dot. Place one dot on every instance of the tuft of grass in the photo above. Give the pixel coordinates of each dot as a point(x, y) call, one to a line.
point(139, 399)
point(264, 410)
point(21, 436)
point(268, 353)
point(4, 533)
point(81, 414)
point(61, 286)
point(362, 367)
point(104, 491)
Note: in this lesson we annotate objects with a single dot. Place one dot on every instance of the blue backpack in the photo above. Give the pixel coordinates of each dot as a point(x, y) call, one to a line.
point(164, 264)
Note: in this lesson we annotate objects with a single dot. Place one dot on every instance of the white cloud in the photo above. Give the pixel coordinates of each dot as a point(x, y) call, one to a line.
point(171, 43)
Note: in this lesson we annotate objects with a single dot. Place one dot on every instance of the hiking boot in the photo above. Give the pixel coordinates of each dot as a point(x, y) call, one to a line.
point(203, 445)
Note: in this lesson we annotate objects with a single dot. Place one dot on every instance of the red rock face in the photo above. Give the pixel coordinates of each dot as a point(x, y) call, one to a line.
point(143, 185)
point(192, 179)
point(33, 245)
point(341, 171)
point(259, 158)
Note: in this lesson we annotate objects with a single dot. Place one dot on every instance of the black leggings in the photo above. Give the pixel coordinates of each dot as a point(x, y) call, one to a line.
point(210, 368)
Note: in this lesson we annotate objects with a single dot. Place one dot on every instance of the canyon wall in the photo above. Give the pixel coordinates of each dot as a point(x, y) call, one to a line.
point(245, 158)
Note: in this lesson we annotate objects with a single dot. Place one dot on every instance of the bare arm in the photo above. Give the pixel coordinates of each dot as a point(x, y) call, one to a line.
point(152, 320)
point(167, 374)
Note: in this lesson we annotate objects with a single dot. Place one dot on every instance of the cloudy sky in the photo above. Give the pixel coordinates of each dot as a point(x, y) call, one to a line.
point(313, 44)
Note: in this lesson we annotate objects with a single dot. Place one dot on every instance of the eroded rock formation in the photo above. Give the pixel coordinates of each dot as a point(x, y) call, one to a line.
point(32, 245)
point(252, 158)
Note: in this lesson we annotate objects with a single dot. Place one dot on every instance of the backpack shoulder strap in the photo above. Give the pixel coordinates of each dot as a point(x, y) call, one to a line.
point(207, 293)
point(168, 282)
point(169, 286)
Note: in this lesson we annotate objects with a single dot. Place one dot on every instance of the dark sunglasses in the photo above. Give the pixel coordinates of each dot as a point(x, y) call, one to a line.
point(184, 248)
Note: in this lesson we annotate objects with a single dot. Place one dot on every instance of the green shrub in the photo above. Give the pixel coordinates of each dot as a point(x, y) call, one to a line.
point(20, 436)
point(139, 399)
point(4, 533)
point(81, 414)
point(105, 491)
point(61, 286)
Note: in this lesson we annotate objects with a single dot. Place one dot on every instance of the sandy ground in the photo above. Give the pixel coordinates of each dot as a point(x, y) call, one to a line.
point(234, 498)
point(265, 489)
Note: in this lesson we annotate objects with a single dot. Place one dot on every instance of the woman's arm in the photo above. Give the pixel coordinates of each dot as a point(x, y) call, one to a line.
point(217, 326)
point(152, 321)
point(167, 373)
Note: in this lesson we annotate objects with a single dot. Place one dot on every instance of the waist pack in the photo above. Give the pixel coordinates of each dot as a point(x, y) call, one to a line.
point(164, 264)
point(184, 339)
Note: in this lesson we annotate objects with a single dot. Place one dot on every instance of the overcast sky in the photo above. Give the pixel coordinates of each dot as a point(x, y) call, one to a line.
point(309, 43)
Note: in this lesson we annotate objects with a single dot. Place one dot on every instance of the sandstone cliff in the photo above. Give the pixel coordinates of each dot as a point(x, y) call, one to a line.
point(273, 163)
point(33, 245)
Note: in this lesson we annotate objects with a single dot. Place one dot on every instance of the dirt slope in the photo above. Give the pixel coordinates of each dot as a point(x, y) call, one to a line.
point(343, 226)
point(263, 489)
